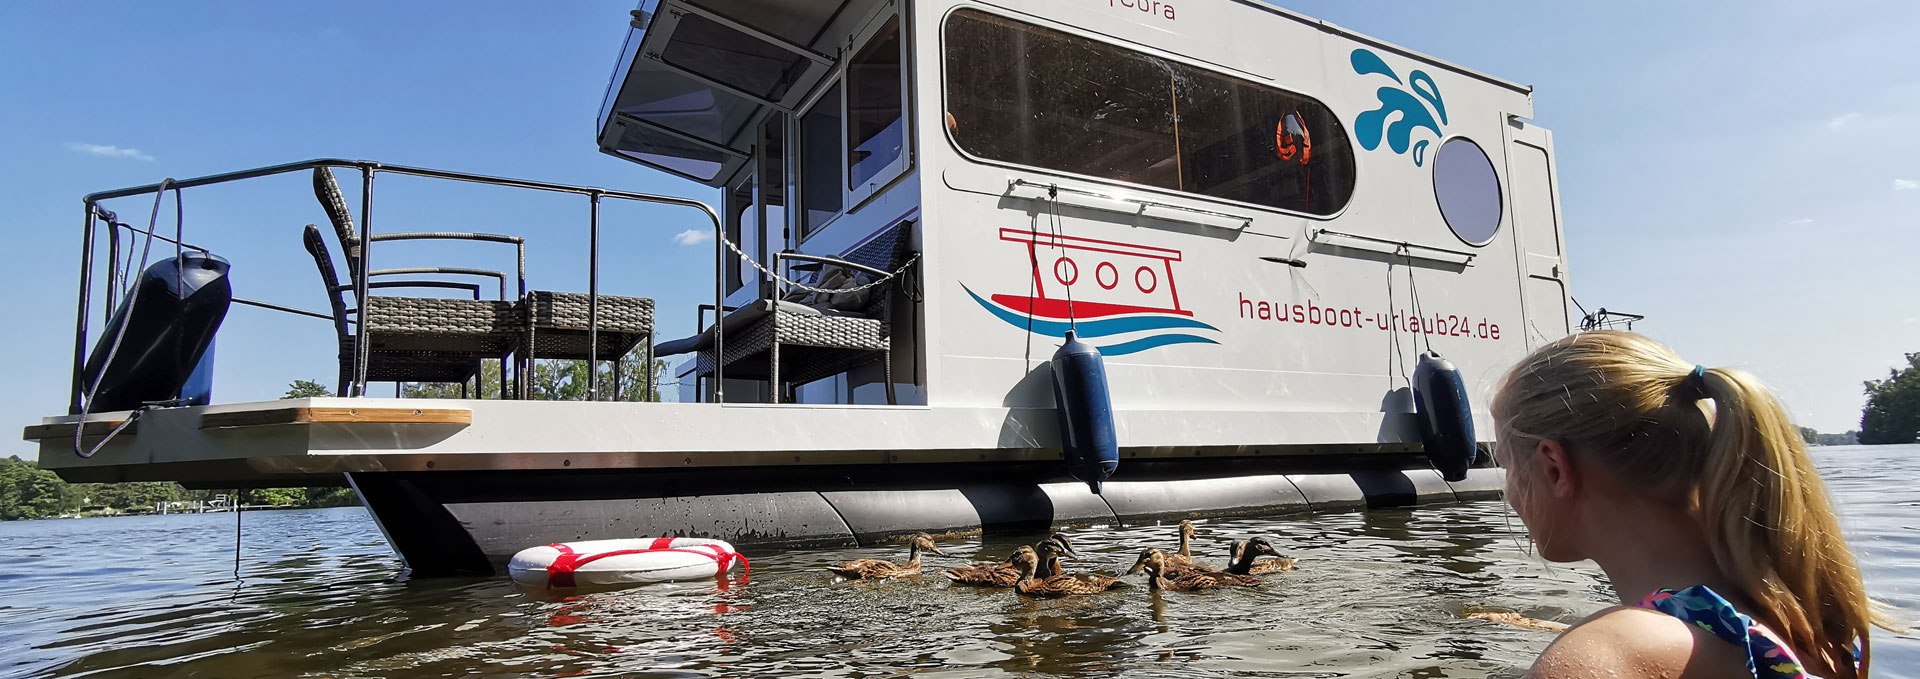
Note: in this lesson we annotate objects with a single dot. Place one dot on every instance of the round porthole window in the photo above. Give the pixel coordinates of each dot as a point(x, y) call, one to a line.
point(1468, 190)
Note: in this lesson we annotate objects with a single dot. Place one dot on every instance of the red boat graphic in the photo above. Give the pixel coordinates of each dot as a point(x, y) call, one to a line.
point(1125, 278)
point(1123, 295)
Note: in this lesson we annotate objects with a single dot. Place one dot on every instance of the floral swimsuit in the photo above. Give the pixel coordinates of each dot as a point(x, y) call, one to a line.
point(1767, 657)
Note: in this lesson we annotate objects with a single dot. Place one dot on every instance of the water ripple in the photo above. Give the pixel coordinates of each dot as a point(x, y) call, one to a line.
point(1378, 594)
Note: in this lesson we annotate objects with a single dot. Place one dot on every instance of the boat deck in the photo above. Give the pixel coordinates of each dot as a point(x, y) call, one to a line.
point(313, 441)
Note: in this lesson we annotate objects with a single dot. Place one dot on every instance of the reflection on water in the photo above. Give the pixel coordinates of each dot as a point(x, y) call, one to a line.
point(1378, 594)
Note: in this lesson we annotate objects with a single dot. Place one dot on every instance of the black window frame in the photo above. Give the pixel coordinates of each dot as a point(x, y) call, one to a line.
point(1347, 153)
point(884, 175)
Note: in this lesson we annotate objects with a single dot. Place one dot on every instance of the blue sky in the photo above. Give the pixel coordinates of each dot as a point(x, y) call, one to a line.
point(1742, 172)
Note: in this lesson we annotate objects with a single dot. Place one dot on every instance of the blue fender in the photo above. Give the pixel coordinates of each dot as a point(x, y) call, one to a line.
point(1085, 410)
point(167, 347)
point(1446, 420)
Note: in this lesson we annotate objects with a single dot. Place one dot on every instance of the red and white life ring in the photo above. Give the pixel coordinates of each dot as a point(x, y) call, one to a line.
point(604, 563)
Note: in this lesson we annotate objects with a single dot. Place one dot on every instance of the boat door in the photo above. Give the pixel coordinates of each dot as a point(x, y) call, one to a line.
point(1539, 240)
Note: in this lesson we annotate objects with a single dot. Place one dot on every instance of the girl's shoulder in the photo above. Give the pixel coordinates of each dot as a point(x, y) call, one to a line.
point(1629, 641)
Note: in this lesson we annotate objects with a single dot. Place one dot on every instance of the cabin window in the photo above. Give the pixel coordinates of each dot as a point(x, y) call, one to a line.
point(1468, 190)
point(742, 221)
point(772, 173)
point(876, 133)
point(1019, 93)
point(820, 147)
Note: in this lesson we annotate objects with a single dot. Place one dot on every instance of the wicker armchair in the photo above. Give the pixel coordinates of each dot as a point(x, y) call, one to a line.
point(788, 341)
point(557, 327)
point(551, 324)
point(414, 339)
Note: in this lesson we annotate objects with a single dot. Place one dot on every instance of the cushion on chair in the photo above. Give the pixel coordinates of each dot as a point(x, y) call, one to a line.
point(836, 278)
point(739, 319)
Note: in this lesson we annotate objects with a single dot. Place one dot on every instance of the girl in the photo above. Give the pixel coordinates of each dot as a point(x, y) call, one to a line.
point(1695, 494)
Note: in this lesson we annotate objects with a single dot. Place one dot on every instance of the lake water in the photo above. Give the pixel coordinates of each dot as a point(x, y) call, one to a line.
point(1378, 594)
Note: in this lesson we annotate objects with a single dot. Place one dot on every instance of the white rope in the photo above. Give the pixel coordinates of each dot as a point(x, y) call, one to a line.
point(764, 271)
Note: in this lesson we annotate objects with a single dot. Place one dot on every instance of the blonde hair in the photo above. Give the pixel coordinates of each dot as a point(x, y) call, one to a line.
point(1738, 464)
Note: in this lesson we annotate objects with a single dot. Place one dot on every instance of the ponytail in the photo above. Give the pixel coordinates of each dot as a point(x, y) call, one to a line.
point(1772, 528)
point(1719, 442)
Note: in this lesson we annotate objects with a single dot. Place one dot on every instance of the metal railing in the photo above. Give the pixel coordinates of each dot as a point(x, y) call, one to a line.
point(361, 273)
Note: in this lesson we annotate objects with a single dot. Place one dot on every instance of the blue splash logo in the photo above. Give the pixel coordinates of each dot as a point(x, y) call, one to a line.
point(1371, 127)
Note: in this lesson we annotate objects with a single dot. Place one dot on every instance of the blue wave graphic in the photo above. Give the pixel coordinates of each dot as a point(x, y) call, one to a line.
point(1107, 327)
point(1102, 327)
point(1153, 342)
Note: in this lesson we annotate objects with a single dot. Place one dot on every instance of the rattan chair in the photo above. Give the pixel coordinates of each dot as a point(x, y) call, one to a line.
point(553, 324)
point(789, 342)
point(557, 327)
point(414, 339)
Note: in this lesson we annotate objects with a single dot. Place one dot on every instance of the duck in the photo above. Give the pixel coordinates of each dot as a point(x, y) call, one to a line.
point(1005, 573)
point(1156, 565)
point(1185, 555)
point(1064, 546)
point(1180, 562)
point(879, 569)
point(1031, 584)
point(1518, 620)
point(1244, 554)
point(1170, 565)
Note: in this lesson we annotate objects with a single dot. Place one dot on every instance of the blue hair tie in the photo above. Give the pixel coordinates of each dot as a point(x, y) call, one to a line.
point(1698, 379)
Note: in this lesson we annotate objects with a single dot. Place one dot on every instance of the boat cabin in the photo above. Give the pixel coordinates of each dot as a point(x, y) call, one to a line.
point(1259, 219)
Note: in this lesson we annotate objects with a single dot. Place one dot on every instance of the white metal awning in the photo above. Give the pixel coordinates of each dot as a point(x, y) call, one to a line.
point(694, 76)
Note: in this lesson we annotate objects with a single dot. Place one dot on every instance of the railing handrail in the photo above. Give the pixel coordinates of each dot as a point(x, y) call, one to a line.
point(377, 166)
point(368, 169)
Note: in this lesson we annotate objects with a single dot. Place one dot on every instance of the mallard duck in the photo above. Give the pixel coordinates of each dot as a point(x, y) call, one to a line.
point(1518, 620)
point(1065, 547)
point(874, 569)
point(1031, 584)
point(1185, 555)
point(1170, 566)
point(989, 573)
point(1156, 563)
point(1245, 553)
point(1005, 573)
point(1050, 561)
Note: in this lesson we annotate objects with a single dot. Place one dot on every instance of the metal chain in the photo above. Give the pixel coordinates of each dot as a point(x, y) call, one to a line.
point(825, 291)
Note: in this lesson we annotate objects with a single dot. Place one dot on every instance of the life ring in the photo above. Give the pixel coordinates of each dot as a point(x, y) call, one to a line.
point(606, 563)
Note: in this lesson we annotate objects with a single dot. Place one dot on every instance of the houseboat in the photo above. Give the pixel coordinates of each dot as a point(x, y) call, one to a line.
point(1262, 221)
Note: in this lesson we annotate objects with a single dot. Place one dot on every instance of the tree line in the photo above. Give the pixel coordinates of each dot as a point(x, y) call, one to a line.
point(29, 492)
point(1892, 414)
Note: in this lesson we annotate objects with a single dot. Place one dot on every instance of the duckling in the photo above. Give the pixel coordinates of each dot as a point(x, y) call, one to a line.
point(1156, 563)
point(1060, 547)
point(1170, 567)
point(1031, 584)
point(1244, 553)
point(1064, 546)
point(1518, 620)
point(989, 573)
point(1185, 555)
point(1005, 573)
point(877, 569)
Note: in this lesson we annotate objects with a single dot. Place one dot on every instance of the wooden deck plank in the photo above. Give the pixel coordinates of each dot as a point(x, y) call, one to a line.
point(287, 416)
point(95, 428)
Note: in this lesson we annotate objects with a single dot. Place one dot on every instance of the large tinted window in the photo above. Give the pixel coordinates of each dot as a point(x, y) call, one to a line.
point(1034, 96)
point(820, 162)
point(875, 134)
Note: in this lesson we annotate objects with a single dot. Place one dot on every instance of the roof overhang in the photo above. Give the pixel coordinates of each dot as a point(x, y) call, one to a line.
point(693, 78)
